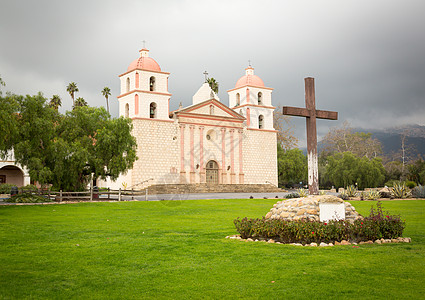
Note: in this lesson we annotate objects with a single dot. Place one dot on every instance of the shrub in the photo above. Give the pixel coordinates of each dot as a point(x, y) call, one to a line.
point(303, 192)
point(400, 190)
point(419, 192)
point(410, 184)
point(27, 198)
point(343, 195)
point(322, 192)
point(29, 188)
point(351, 191)
point(372, 195)
point(292, 195)
point(5, 188)
point(377, 225)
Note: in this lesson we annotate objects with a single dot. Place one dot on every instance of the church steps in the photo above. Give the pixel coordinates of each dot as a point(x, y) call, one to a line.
point(211, 188)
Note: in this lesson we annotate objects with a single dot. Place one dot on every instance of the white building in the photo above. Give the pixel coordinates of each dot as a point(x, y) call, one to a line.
point(13, 173)
point(207, 142)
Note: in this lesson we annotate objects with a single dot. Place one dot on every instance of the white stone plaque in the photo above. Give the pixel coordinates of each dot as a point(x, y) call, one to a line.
point(331, 211)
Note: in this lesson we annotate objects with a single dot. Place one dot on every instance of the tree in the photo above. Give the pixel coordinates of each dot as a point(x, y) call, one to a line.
point(285, 130)
point(344, 169)
point(213, 84)
point(292, 166)
point(2, 83)
point(106, 92)
point(417, 172)
point(80, 102)
point(72, 89)
point(55, 102)
point(9, 125)
point(66, 150)
point(339, 140)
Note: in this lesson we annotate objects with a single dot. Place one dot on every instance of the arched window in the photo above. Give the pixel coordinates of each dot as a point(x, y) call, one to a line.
point(127, 89)
point(238, 99)
point(137, 80)
point(152, 86)
point(260, 122)
point(260, 98)
point(211, 109)
point(152, 110)
point(127, 110)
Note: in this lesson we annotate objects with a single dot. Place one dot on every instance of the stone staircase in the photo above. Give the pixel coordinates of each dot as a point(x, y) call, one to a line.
point(211, 188)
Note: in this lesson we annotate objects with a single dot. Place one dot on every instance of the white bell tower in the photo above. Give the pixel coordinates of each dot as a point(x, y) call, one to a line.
point(144, 90)
point(253, 100)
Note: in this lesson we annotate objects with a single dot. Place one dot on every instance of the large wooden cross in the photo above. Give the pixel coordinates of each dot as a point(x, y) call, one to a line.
point(311, 114)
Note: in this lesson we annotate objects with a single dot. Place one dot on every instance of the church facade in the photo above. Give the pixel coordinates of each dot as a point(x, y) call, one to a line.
point(206, 142)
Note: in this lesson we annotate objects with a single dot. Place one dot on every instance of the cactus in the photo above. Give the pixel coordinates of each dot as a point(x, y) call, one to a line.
point(351, 191)
point(344, 196)
point(302, 192)
point(419, 191)
point(400, 190)
point(372, 195)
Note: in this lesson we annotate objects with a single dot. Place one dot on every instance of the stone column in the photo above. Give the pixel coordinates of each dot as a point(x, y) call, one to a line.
point(241, 175)
point(182, 163)
point(202, 178)
point(232, 158)
point(192, 154)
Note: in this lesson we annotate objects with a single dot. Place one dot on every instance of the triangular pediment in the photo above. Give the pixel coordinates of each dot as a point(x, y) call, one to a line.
point(211, 107)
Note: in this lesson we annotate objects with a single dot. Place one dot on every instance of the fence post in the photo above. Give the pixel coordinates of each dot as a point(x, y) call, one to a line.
point(146, 194)
point(60, 196)
point(91, 193)
point(109, 190)
point(119, 194)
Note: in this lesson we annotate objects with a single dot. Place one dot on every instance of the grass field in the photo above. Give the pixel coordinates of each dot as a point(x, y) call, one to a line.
point(178, 250)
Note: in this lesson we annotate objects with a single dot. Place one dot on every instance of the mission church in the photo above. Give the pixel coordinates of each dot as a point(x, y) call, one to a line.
point(206, 142)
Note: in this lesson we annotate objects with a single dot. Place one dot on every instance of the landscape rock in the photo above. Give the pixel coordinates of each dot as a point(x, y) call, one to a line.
point(344, 242)
point(313, 244)
point(322, 244)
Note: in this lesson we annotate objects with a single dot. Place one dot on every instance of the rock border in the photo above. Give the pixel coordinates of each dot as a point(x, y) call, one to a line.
point(322, 244)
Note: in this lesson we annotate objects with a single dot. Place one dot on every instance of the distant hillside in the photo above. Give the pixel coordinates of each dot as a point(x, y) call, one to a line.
point(390, 139)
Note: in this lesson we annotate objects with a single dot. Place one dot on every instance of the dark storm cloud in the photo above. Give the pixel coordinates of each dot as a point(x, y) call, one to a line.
point(367, 56)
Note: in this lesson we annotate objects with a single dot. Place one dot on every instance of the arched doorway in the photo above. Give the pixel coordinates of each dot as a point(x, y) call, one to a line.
point(12, 175)
point(212, 172)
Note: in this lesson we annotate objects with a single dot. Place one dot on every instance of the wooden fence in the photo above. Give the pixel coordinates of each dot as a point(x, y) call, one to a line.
point(90, 195)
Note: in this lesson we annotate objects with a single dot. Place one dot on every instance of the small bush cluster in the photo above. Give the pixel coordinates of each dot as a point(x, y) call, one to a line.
point(5, 188)
point(343, 195)
point(302, 192)
point(351, 191)
point(419, 192)
point(292, 195)
point(400, 190)
point(27, 198)
point(376, 226)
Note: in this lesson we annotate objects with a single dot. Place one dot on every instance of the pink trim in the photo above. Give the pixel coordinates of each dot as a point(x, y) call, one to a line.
point(209, 102)
point(211, 125)
point(146, 92)
point(254, 105)
point(155, 120)
point(137, 80)
point(201, 149)
point(136, 104)
point(192, 149)
point(169, 106)
point(240, 152)
point(267, 130)
point(208, 117)
point(247, 95)
point(167, 73)
point(248, 116)
point(182, 148)
point(223, 150)
point(232, 152)
point(250, 85)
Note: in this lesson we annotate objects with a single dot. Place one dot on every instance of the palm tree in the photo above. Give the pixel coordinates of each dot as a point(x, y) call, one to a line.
point(55, 102)
point(72, 89)
point(106, 92)
point(213, 84)
point(80, 102)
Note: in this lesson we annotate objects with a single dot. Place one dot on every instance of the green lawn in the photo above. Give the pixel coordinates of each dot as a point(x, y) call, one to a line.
point(178, 250)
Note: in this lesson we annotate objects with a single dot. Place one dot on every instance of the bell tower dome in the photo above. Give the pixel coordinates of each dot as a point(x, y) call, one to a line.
point(144, 89)
point(252, 99)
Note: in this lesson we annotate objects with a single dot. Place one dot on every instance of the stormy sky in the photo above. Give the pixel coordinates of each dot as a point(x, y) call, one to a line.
point(367, 57)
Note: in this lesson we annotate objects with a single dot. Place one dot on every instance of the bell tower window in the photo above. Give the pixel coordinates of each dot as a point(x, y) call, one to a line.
point(152, 110)
point(127, 89)
point(260, 98)
point(127, 110)
point(238, 99)
point(152, 86)
point(261, 122)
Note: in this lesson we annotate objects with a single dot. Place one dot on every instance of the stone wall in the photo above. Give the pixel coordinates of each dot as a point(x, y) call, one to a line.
point(308, 208)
